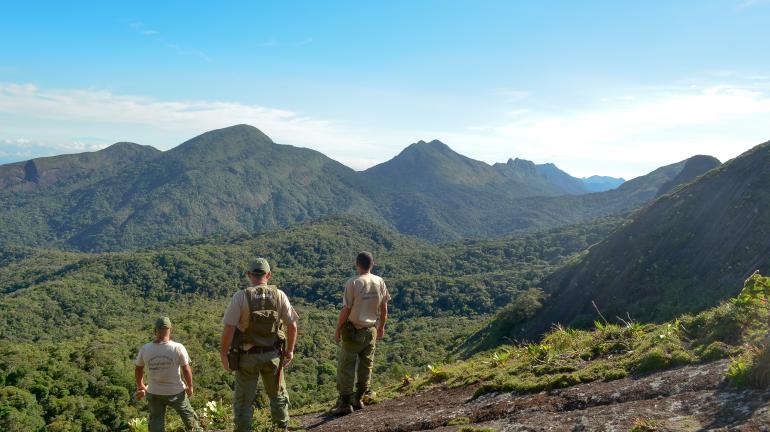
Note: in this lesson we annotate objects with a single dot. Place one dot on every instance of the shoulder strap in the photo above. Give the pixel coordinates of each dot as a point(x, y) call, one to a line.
point(274, 292)
point(249, 293)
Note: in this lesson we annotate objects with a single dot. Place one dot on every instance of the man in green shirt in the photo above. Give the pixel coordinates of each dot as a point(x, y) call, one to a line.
point(254, 324)
point(361, 323)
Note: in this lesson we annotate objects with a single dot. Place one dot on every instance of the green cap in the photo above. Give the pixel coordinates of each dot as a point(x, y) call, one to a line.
point(162, 322)
point(259, 265)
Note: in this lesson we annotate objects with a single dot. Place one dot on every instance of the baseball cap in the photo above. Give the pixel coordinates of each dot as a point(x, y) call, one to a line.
point(259, 265)
point(162, 322)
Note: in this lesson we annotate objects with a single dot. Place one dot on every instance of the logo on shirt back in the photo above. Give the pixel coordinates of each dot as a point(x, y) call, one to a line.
point(160, 363)
point(367, 292)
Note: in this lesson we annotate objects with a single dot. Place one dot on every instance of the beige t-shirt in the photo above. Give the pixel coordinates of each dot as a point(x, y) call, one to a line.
point(364, 295)
point(162, 362)
point(237, 313)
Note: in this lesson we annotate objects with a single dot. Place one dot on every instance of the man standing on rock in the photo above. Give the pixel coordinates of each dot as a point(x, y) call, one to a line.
point(163, 359)
point(254, 344)
point(361, 323)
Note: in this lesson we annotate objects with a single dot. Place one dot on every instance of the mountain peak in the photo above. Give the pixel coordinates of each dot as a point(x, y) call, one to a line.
point(429, 146)
point(521, 164)
point(128, 148)
point(224, 143)
point(693, 168)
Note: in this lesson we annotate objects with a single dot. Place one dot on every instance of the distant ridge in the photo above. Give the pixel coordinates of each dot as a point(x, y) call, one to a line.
point(236, 180)
point(601, 183)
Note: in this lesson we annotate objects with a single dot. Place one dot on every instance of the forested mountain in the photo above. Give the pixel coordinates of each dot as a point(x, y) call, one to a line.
point(227, 181)
point(82, 168)
point(71, 322)
point(237, 180)
point(682, 253)
point(537, 213)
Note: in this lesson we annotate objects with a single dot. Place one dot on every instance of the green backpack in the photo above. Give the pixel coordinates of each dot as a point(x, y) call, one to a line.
point(264, 328)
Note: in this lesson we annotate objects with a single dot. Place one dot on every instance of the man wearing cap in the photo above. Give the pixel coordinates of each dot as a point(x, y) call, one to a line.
point(254, 324)
point(163, 359)
point(361, 323)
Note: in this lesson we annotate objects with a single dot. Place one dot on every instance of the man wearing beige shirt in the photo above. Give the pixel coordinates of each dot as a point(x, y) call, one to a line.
point(256, 319)
point(361, 323)
point(163, 359)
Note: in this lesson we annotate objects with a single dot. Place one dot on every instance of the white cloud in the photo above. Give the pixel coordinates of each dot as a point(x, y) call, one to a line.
point(630, 133)
point(624, 134)
point(93, 109)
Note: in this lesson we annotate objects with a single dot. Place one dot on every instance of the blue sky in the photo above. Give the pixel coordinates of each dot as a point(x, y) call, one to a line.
point(615, 88)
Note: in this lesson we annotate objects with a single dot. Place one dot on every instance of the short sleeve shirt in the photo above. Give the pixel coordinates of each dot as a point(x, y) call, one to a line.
point(162, 362)
point(237, 313)
point(364, 295)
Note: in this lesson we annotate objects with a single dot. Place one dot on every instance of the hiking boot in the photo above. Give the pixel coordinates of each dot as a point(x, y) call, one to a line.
point(342, 408)
point(358, 404)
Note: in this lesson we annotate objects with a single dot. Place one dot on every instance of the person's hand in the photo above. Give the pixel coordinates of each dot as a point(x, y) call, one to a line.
point(141, 392)
point(225, 362)
point(189, 391)
point(337, 336)
point(380, 333)
point(288, 356)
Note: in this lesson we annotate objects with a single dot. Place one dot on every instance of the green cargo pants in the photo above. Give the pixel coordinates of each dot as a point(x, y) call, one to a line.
point(356, 359)
point(251, 367)
point(179, 402)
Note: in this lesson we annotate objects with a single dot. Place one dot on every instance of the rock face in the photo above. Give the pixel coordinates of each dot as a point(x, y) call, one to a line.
point(691, 398)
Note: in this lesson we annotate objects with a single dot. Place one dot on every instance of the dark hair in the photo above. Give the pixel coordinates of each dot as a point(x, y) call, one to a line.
point(365, 260)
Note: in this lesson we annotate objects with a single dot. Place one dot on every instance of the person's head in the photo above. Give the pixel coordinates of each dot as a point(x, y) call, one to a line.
point(259, 271)
point(364, 262)
point(163, 328)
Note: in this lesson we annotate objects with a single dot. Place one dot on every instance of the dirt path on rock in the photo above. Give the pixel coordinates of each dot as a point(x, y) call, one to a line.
point(691, 398)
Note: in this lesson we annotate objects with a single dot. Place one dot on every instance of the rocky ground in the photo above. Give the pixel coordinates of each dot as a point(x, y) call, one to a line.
point(691, 398)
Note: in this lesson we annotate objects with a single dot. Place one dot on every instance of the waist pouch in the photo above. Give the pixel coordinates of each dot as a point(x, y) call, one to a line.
point(234, 359)
point(350, 333)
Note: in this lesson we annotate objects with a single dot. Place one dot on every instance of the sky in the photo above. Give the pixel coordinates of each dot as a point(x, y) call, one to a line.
point(596, 87)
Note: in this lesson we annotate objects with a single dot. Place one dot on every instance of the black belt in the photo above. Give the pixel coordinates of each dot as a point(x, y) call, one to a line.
point(260, 350)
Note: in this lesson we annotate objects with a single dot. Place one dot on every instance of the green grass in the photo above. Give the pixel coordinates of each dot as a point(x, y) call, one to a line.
point(566, 357)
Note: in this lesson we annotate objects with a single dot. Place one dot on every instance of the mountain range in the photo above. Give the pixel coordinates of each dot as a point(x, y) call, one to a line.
point(237, 180)
point(685, 251)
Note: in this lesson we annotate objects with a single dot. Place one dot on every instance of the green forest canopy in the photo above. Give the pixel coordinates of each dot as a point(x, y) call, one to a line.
point(71, 322)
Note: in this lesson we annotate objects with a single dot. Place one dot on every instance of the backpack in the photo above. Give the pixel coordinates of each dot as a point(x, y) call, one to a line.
point(265, 329)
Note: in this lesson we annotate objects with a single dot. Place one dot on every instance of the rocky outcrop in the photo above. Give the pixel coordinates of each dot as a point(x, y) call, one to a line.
point(691, 398)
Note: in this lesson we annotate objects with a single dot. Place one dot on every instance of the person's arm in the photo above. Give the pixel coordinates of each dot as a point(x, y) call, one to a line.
point(141, 389)
point(187, 374)
point(383, 319)
point(344, 314)
point(291, 341)
point(227, 338)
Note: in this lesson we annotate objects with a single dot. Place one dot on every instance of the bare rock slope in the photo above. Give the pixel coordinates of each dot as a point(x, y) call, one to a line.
point(692, 398)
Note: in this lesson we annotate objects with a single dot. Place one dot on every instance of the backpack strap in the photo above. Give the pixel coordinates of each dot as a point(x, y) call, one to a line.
point(278, 323)
point(250, 294)
point(274, 291)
